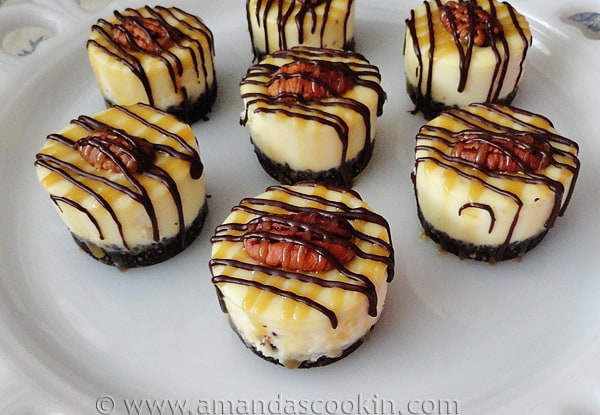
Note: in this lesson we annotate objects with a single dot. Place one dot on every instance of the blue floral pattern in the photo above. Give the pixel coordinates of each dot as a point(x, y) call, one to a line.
point(33, 44)
point(24, 40)
point(587, 20)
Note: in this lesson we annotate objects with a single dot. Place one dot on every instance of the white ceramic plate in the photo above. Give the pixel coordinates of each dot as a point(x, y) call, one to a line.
point(517, 337)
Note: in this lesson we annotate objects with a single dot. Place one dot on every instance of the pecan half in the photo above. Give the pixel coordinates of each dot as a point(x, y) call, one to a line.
point(297, 242)
point(509, 152)
point(149, 35)
point(469, 21)
point(310, 80)
point(107, 150)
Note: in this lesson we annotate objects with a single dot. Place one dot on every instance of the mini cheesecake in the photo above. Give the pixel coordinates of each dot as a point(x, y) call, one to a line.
point(312, 113)
point(283, 24)
point(490, 180)
point(158, 56)
point(302, 272)
point(128, 183)
point(460, 52)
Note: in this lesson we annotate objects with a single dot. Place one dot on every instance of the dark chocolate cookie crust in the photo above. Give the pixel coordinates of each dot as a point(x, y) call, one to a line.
point(191, 111)
point(431, 108)
point(491, 254)
point(341, 176)
point(150, 255)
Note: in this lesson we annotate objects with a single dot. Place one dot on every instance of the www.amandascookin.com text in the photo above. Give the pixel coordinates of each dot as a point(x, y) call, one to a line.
point(279, 405)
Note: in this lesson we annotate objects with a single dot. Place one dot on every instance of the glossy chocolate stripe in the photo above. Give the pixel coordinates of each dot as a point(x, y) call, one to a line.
point(422, 99)
point(525, 40)
point(501, 68)
point(481, 206)
point(465, 54)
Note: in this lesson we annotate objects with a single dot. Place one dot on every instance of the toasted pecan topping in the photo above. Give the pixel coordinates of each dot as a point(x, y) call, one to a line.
point(296, 242)
point(469, 21)
point(310, 80)
point(107, 150)
point(511, 152)
point(149, 35)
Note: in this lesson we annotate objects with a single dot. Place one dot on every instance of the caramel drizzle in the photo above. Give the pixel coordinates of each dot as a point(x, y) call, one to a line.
point(78, 176)
point(177, 35)
point(358, 283)
point(424, 99)
point(526, 175)
point(285, 15)
point(304, 108)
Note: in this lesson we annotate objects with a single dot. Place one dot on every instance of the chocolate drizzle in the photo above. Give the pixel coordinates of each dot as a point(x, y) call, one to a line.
point(298, 12)
point(235, 233)
point(442, 140)
point(180, 35)
point(481, 206)
point(423, 93)
point(91, 180)
point(308, 109)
